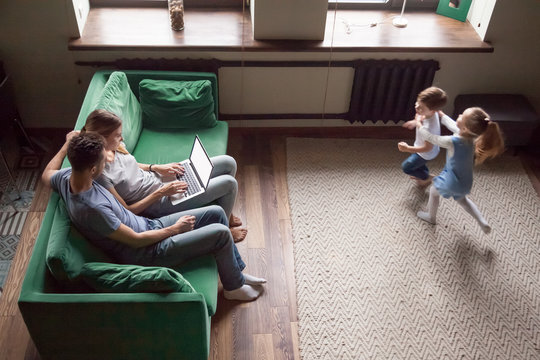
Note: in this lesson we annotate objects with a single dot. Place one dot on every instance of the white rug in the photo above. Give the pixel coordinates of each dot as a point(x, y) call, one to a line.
point(376, 282)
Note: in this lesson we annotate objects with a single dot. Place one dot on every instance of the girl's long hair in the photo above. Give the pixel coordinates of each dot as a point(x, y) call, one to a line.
point(104, 123)
point(489, 141)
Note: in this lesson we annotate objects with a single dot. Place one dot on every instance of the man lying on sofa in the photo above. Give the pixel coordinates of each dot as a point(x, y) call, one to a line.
point(166, 241)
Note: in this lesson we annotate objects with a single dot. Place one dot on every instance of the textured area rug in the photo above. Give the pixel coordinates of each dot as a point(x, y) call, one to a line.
point(14, 206)
point(376, 282)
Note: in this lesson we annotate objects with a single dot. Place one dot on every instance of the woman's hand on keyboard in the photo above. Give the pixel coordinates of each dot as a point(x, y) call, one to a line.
point(172, 188)
point(168, 169)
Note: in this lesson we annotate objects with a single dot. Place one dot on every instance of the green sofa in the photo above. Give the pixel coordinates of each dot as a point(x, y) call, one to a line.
point(67, 319)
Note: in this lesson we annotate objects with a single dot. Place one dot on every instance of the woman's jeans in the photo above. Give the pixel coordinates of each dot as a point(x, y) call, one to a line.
point(211, 235)
point(415, 165)
point(222, 189)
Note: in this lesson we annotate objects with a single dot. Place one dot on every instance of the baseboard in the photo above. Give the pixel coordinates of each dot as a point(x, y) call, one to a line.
point(367, 132)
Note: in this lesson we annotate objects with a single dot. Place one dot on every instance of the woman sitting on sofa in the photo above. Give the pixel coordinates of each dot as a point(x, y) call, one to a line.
point(140, 188)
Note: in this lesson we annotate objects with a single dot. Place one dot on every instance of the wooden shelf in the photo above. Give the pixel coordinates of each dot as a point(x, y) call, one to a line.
point(221, 30)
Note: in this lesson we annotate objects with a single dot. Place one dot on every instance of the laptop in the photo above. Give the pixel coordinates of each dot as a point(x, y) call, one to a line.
point(197, 171)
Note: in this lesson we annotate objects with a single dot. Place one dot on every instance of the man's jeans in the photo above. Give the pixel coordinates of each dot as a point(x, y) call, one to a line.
point(211, 235)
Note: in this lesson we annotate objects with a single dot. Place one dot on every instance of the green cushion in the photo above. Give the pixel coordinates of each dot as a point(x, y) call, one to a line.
point(133, 278)
point(68, 250)
point(169, 104)
point(118, 98)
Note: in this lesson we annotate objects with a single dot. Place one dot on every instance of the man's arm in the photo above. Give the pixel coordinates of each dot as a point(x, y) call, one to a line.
point(55, 163)
point(127, 236)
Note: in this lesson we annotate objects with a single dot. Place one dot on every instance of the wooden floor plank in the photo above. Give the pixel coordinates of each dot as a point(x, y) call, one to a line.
point(277, 270)
point(279, 162)
point(295, 340)
point(254, 214)
point(281, 334)
point(263, 346)
point(41, 197)
point(257, 311)
point(242, 335)
point(288, 260)
point(15, 342)
point(222, 331)
point(12, 288)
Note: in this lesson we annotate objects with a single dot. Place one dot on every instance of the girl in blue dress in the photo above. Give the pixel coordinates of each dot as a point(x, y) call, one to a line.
point(476, 138)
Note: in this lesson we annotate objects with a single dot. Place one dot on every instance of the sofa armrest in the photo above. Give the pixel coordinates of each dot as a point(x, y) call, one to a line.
point(118, 326)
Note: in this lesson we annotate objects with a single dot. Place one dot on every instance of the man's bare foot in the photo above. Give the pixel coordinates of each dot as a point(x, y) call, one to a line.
point(238, 234)
point(234, 221)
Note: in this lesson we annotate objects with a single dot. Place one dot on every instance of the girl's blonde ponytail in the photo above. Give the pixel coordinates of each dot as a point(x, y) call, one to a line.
point(489, 144)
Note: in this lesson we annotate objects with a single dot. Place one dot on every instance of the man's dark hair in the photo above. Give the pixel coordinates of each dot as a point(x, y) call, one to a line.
point(85, 150)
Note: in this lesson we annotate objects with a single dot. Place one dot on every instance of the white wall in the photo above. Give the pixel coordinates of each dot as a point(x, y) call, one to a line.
point(50, 88)
point(33, 46)
point(480, 14)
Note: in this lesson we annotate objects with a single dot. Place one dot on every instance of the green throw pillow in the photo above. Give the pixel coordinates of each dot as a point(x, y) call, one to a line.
point(106, 277)
point(68, 250)
point(169, 104)
point(118, 98)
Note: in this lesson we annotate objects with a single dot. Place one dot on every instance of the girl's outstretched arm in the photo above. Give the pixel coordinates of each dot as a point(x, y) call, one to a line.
point(442, 141)
point(448, 122)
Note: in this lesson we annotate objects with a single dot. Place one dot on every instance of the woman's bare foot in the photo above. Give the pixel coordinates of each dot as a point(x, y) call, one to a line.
point(238, 234)
point(234, 221)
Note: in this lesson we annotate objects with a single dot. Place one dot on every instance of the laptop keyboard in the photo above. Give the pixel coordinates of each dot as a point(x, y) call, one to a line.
point(190, 178)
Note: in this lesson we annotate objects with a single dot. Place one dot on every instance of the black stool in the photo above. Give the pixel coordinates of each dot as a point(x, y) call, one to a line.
point(514, 114)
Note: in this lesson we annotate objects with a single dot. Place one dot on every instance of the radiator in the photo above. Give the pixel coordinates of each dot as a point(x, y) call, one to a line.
point(387, 89)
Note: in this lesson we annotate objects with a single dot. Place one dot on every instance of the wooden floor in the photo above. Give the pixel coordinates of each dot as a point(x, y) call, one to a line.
point(264, 329)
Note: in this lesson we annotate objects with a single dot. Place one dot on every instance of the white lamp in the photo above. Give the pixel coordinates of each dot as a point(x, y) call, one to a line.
point(400, 21)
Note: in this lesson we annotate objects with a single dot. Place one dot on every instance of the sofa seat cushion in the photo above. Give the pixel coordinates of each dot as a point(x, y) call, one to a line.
point(116, 278)
point(165, 146)
point(68, 250)
point(171, 104)
point(118, 98)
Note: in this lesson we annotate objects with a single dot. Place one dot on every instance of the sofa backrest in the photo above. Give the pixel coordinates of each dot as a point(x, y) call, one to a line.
point(117, 97)
point(98, 88)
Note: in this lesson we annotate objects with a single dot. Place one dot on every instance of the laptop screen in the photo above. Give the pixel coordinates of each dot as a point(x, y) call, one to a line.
point(200, 160)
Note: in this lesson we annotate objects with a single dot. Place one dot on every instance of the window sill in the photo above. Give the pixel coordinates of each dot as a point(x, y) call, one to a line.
point(221, 30)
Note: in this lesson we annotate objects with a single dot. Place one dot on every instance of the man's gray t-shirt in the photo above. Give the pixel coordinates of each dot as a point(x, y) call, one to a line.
point(96, 214)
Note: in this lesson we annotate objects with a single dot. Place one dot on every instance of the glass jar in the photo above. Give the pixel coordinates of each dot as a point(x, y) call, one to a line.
point(176, 14)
